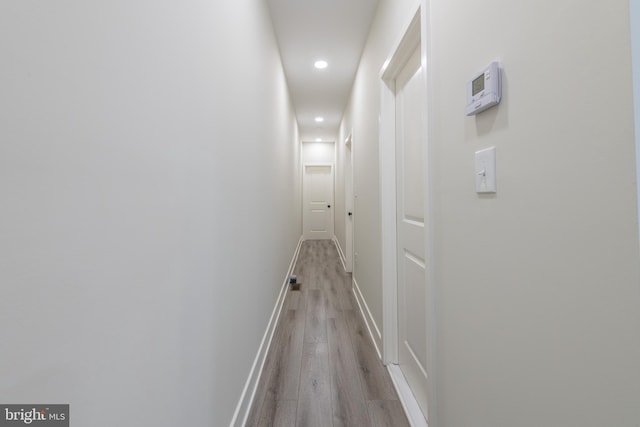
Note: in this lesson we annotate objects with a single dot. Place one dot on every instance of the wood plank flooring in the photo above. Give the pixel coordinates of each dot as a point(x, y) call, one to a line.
point(322, 369)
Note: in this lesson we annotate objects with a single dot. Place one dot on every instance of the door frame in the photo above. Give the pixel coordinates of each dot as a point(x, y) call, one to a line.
point(415, 32)
point(349, 200)
point(333, 196)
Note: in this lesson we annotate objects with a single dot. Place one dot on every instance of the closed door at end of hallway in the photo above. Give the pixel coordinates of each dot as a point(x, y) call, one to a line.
point(318, 202)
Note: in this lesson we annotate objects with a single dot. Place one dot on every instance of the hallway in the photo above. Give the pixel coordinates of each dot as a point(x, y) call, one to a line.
point(322, 368)
point(152, 159)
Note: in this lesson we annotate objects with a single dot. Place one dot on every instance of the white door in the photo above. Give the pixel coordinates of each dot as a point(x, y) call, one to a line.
point(412, 268)
point(318, 202)
point(348, 203)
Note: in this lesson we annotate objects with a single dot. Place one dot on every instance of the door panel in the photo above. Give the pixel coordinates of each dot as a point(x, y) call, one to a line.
point(318, 221)
point(416, 316)
point(318, 202)
point(412, 268)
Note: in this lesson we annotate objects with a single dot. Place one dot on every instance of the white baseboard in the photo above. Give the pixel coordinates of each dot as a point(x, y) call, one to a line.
point(407, 399)
point(374, 332)
point(248, 393)
point(343, 259)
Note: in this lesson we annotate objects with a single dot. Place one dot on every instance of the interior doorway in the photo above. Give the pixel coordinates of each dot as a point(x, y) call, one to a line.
point(407, 271)
point(410, 232)
point(349, 203)
point(317, 197)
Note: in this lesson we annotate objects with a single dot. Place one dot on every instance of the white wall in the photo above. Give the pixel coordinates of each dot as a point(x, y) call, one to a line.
point(539, 305)
point(538, 287)
point(318, 152)
point(137, 142)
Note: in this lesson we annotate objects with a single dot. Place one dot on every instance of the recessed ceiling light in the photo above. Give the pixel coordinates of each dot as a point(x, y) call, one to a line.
point(321, 64)
point(318, 139)
point(319, 119)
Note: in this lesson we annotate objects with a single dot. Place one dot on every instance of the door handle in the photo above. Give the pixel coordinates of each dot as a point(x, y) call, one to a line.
point(350, 213)
point(329, 206)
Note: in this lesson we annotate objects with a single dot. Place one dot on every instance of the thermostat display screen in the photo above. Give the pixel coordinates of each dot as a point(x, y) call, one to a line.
point(484, 89)
point(478, 85)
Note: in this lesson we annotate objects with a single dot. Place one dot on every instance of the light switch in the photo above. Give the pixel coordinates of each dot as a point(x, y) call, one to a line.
point(486, 170)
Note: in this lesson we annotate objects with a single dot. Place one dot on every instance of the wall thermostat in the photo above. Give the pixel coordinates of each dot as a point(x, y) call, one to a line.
point(484, 90)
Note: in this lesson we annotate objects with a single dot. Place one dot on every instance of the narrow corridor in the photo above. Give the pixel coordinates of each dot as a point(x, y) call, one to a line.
point(322, 368)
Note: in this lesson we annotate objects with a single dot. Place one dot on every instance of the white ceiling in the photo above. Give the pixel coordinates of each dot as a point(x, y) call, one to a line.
point(309, 30)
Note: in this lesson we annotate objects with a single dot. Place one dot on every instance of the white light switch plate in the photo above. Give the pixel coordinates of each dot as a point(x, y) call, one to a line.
point(486, 170)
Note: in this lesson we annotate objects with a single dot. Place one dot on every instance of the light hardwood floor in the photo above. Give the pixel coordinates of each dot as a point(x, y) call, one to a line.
point(322, 369)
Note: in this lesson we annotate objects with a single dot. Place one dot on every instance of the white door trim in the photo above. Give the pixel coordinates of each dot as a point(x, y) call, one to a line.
point(416, 32)
point(350, 207)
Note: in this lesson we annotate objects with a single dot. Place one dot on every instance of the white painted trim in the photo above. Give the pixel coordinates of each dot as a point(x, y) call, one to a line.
point(407, 399)
point(406, 43)
point(409, 39)
point(388, 220)
point(403, 49)
point(246, 400)
point(374, 332)
point(340, 253)
point(350, 222)
point(318, 164)
point(431, 213)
